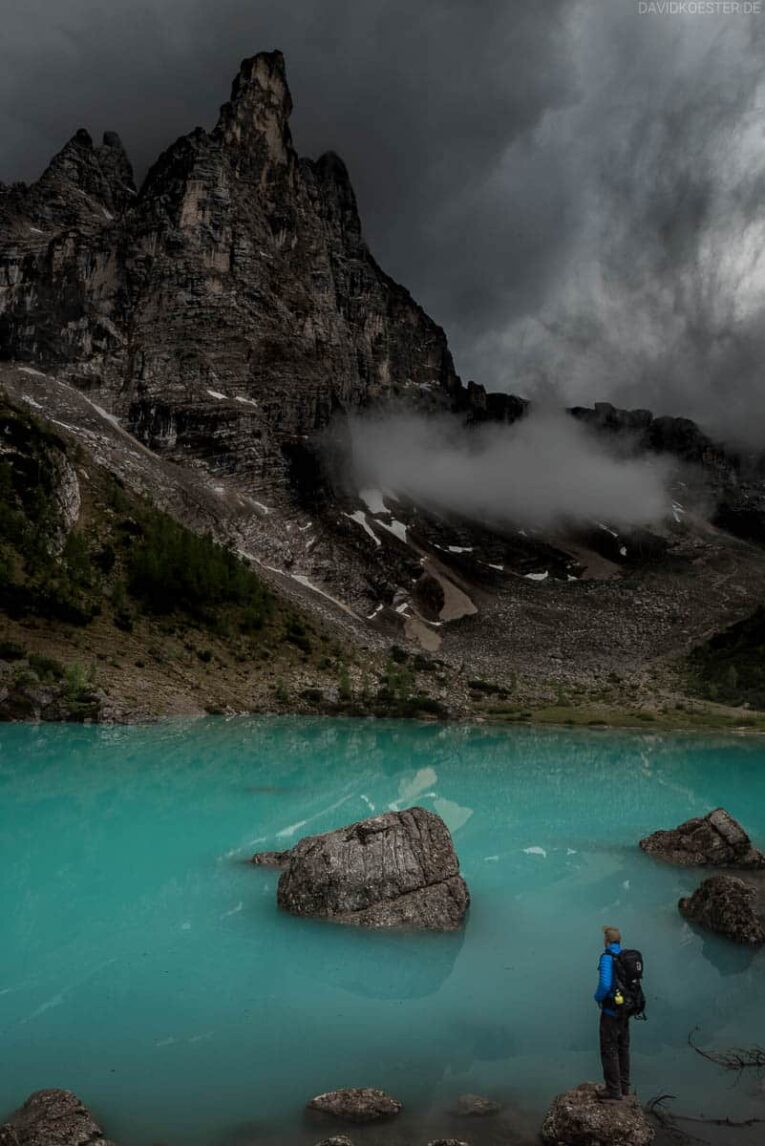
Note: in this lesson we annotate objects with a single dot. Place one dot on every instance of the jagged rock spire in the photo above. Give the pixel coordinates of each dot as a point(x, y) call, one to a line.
point(338, 201)
point(259, 108)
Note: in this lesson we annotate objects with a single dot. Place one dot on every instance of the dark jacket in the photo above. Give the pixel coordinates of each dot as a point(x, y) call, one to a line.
point(606, 978)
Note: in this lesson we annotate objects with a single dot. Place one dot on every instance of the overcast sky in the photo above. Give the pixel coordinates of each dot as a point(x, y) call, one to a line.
point(575, 189)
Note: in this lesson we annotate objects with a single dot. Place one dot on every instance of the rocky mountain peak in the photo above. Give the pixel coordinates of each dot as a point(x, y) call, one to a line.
point(103, 174)
point(258, 111)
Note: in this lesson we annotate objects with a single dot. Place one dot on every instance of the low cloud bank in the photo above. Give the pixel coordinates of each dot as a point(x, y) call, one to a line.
point(546, 470)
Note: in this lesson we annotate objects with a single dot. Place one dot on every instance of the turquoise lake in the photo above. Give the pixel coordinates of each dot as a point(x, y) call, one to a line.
point(146, 967)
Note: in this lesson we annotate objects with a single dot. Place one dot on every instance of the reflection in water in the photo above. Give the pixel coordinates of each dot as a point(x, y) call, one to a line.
point(377, 964)
point(486, 1040)
point(726, 957)
point(410, 787)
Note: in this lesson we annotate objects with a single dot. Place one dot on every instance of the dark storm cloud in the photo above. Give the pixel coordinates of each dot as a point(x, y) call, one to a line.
point(572, 188)
point(661, 300)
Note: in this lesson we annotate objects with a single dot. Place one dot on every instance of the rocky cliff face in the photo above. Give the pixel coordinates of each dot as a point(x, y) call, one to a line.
point(226, 309)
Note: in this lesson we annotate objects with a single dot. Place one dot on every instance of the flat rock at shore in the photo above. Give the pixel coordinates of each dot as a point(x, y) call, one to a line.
point(578, 1118)
point(52, 1118)
point(397, 870)
point(357, 1104)
point(726, 904)
point(714, 840)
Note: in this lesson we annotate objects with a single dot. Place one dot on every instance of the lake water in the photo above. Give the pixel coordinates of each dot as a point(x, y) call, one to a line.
point(145, 966)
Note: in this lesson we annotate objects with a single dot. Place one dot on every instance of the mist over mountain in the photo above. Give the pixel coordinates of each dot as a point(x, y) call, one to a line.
point(545, 471)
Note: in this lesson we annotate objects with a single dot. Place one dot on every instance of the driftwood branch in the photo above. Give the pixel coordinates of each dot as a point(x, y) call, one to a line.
point(668, 1120)
point(746, 1058)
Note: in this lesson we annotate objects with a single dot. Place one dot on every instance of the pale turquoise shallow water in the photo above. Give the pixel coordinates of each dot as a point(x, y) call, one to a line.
point(147, 968)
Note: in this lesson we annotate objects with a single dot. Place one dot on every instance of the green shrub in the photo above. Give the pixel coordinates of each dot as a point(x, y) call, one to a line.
point(78, 682)
point(105, 558)
point(427, 705)
point(48, 669)
point(482, 686)
point(23, 676)
point(12, 651)
point(344, 684)
point(118, 500)
point(297, 635)
point(253, 619)
point(55, 595)
point(124, 621)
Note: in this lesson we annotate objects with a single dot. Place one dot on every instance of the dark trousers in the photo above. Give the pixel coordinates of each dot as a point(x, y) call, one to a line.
point(615, 1054)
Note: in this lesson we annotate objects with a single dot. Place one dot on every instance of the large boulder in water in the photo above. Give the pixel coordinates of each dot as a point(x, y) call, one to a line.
point(726, 904)
point(394, 870)
point(52, 1118)
point(715, 840)
point(357, 1104)
point(578, 1118)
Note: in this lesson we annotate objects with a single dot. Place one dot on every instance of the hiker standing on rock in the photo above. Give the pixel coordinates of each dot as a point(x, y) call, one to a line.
point(620, 997)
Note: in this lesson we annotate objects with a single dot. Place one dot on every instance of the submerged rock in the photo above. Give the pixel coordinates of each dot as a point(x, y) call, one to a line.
point(394, 870)
point(335, 1140)
point(52, 1118)
point(726, 904)
point(357, 1104)
point(271, 859)
point(475, 1106)
point(578, 1118)
point(715, 840)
